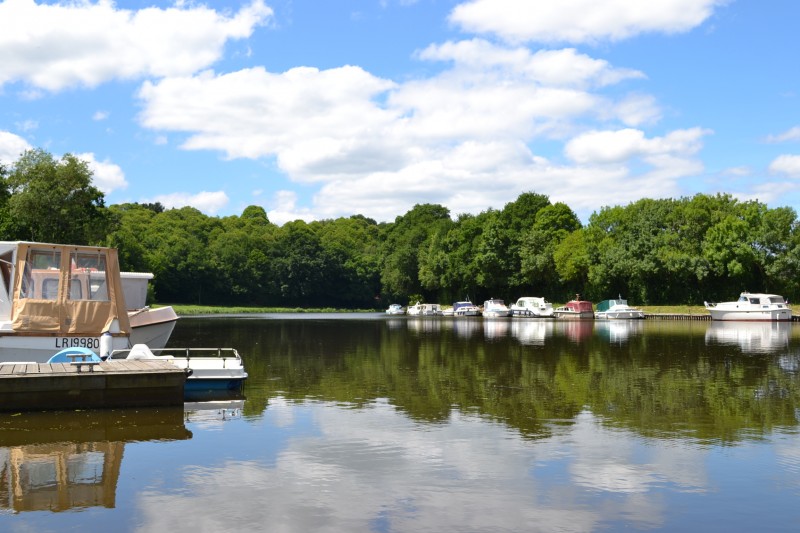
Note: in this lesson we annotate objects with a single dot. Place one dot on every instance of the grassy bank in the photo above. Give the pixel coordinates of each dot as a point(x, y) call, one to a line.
point(193, 310)
point(190, 310)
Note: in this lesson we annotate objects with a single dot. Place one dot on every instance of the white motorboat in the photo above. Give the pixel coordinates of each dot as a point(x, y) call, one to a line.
point(465, 308)
point(752, 306)
point(419, 309)
point(207, 368)
point(149, 325)
point(617, 309)
point(495, 308)
point(395, 309)
point(532, 306)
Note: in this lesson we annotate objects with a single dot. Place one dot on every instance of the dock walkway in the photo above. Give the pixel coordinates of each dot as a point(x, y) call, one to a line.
point(37, 386)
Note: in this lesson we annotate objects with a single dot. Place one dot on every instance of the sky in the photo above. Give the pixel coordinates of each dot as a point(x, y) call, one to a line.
point(330, 108)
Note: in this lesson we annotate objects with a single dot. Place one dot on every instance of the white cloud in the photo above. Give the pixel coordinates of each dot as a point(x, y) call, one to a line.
point(792, 134)
point(559, 68)
point(283, 208)
point(205, 201)
point(11, 147)
point(54, 46)
point(107, 176)
point(601, 147)
point(580, 21)
point(466, 137)
point(100, 115)
point(788, 165)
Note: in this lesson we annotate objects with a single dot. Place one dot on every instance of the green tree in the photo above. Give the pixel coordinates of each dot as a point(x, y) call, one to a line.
point(55, 201)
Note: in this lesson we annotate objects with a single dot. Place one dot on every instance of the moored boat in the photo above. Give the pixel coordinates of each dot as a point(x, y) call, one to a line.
point(753, 307)
point(419, 309)
point(495, 308)
point(207, 368)
point(617, 309)
point(56, 296)
point(575, 309)
point(395, 309)
point(465, 308)
point(149, 325)
point(532, 306)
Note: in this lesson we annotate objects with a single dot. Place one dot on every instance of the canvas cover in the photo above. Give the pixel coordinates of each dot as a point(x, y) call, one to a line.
point(61, 313)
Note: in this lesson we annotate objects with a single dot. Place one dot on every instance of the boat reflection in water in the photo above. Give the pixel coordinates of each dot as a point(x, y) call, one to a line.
point(576, 331)
point(532, 332)
point(619, 331)
point(467, 327)
point(751, 337)
point(55, 461)
point(496, 328)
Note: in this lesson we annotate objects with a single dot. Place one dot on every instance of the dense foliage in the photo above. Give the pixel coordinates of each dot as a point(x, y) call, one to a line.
point(667, 251)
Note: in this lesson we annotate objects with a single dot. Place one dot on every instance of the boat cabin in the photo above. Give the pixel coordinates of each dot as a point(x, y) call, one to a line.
point(60, 289)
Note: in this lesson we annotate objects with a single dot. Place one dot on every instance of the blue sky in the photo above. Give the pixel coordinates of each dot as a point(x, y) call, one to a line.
point(320, 109)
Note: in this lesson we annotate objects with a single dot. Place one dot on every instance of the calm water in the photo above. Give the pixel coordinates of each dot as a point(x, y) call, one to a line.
point(369, 423)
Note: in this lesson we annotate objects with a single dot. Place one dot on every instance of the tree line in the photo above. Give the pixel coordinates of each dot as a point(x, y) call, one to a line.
point(653, 251)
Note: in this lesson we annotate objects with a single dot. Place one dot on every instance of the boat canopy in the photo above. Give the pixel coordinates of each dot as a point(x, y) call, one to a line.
point(605, 305)
point(63, 289)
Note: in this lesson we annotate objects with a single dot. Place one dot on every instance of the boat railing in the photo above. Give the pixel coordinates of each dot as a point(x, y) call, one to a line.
point(186, 353)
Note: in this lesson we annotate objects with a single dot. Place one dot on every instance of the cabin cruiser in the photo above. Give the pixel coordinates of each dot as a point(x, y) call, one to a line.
point(575, 309)
point(56, 296)
point(465, 308)
point(752, 306)
point(395, 309)
point(494, 308)
point(532, 306)
point(419, 309)
point(149, 325)
point(617, 309)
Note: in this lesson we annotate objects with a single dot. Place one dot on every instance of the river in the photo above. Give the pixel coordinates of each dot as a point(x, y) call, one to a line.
point(364, 422)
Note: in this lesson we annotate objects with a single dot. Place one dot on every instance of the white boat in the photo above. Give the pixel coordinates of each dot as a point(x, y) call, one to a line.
point(448, 311)
point(532, 306)
point(55, 296)
point(395, 309)
point(617, 309)
point(419, 309)
point(207, 368)
point(465, 308)
point(495, 308)
point(149, 325)
point(752, 306)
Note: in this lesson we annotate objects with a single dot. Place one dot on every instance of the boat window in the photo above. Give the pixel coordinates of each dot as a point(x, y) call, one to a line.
point(88, 275)
point(74, 289)
point(754, 301)
point(40, 277)
point(50, 289)
point(776, 299)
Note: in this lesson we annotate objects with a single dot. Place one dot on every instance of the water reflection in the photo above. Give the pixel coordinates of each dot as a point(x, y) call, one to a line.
point(65, 460)
point(531, 331)
point(619, 331)
point(751, 337)
point(496, 328)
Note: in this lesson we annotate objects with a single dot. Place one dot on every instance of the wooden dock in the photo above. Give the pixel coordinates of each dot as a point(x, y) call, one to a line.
point(42, 386)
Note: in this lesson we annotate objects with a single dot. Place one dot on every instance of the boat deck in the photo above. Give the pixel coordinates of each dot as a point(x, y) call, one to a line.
point(38, 386)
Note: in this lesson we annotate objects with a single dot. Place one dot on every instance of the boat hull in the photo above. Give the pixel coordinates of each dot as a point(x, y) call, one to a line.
point(573, 315)
point(152, 327)
point(765, 315)
point(38, 349)
point(632, 314)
